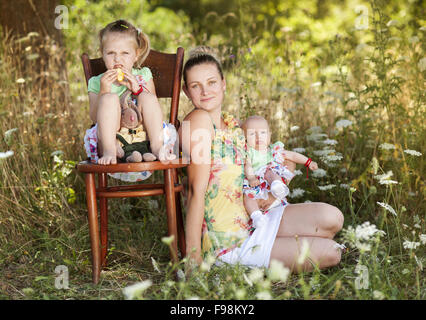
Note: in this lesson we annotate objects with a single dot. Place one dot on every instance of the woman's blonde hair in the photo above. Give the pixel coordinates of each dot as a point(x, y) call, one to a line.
point(122, 26)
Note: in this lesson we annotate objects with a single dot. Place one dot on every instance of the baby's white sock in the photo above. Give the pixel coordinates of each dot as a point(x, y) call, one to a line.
point(259, 220)
point(279, 190)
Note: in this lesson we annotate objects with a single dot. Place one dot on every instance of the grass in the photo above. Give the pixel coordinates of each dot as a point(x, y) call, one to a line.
point(378, 89)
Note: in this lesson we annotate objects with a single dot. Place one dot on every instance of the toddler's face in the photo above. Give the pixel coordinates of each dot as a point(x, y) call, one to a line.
point(257, 134)
point(119, 51)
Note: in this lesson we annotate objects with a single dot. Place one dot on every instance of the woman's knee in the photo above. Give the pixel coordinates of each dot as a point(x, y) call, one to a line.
point(331, 218)
point(333, 256)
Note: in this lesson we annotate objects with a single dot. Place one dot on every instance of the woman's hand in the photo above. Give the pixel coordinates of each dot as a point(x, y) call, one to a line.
point(107, 79)
point(130, 81)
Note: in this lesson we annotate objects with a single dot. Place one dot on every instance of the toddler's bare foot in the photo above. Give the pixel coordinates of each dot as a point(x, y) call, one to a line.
point(148, 157)
point(108, 159)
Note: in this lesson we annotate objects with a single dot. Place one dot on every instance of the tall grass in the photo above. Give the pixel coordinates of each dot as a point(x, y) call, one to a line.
point(358, 115)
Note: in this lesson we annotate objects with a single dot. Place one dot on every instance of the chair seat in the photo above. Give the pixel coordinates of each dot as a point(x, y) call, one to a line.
point(88, 167)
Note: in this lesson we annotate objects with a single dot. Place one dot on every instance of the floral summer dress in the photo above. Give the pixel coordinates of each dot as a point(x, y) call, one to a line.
point(226, 223)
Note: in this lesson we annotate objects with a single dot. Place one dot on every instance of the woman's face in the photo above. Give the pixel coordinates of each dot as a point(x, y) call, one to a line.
point(205, 87)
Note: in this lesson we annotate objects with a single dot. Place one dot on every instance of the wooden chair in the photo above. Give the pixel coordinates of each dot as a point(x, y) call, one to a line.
point(167, 72)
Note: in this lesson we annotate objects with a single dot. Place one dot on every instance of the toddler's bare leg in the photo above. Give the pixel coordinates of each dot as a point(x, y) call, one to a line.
point(108, 119)
point(152, 120)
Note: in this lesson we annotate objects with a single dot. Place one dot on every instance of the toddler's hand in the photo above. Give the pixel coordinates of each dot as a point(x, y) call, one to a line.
point(130, 81)
point(313, 166)
point(107, 79)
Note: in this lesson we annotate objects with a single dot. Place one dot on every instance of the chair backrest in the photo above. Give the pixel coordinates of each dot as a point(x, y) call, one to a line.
point(166, 70)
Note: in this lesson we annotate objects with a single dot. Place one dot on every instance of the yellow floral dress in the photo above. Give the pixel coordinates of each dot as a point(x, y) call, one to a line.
point(226, 223)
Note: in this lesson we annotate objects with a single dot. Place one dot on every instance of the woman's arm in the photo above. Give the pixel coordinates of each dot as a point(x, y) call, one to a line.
point(197, 144)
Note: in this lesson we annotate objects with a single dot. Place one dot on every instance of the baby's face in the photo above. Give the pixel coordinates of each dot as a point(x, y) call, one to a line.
point(257, 134)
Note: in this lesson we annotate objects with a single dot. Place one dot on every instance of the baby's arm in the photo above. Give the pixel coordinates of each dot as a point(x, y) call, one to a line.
point(249, 173)
point(300, 158)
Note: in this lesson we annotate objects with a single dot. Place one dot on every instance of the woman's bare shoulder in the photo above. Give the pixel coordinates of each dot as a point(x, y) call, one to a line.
point(200, 118)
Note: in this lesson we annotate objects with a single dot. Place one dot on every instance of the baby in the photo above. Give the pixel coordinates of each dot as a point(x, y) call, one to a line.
point(264, 168)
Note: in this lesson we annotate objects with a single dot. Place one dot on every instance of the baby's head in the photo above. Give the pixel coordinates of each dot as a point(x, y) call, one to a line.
point(123, 46)
point(256, 130)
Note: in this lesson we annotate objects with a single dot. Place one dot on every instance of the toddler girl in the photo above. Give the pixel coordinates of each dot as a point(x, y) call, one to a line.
point(264, 168)
point(124, 48)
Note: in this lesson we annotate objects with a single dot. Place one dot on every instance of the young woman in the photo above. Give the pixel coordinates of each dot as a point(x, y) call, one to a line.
point(217, 222)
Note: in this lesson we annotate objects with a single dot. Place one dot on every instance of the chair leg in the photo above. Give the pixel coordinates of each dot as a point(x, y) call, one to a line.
point(171, 211)
point(180, 227)
point(103, 208)
point(93, 226)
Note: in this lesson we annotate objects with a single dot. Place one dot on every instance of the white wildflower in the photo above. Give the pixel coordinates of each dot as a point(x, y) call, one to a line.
point(316, 84)
point(136, 290)
point(322, 153)
point(7, 154)
point(294, 128)
point(277, 271)
point(410, 245)
point(366, 231)
point(384, 176)
point(20, 80)
point(388, 182)
point(332, 157)
point(256, 275)
point(316, 136)
point(423, 238)
point(327, 187)
point(343, 123)
point(378, 295)
point(168, 240)
point(344, 186)
point(329, 141)
point(319, 173)
point(387, 207)
point(297, 192)
point(299, 150)
point(387, 146)
point(297, 172)
point(413, 152)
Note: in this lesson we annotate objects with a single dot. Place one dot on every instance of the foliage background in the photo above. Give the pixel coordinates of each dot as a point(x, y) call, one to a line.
point(304, 65)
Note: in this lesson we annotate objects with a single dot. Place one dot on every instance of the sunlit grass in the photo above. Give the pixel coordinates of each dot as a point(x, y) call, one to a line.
point(361, 118)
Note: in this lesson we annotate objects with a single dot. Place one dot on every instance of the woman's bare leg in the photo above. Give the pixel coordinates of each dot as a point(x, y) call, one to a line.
point(315, 219)
point(108, 119)
point(321, 252)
